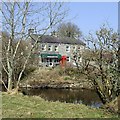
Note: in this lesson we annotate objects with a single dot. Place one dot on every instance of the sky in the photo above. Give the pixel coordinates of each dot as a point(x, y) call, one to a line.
point(90, 16)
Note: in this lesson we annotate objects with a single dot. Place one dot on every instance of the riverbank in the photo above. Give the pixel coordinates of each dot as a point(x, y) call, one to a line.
point(20, 106)
point(56, 78)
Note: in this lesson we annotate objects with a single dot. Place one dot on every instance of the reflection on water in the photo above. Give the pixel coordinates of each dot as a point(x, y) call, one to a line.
point(84, 96)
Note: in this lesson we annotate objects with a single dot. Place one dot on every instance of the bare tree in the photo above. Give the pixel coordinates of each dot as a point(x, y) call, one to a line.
point(18, 17)
point(100, 63)
point(102, 67)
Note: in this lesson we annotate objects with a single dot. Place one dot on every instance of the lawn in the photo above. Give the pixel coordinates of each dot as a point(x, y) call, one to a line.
point(20, 106)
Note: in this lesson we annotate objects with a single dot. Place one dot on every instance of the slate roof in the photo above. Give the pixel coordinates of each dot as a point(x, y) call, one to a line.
point(60, 40)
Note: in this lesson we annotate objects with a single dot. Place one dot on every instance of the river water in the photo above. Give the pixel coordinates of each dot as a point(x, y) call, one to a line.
point(77, 96)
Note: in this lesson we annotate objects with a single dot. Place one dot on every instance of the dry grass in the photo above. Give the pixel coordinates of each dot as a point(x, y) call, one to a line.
point(45, 74)
point(56, 76)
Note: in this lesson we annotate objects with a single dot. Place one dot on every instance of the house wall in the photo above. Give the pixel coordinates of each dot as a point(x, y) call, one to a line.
point(62, 50)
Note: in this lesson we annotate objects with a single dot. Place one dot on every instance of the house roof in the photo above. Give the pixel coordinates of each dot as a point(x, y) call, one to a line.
point(52, 39)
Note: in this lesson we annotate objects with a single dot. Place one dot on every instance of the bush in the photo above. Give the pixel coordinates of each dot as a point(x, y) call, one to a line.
point(66, 78)
point(71, 71)
point(28, 70)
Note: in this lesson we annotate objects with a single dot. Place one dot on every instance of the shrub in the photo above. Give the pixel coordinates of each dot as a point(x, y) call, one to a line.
point(66, 78)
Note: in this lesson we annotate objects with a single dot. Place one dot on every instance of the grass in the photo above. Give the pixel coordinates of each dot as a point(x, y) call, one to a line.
point(19, 106)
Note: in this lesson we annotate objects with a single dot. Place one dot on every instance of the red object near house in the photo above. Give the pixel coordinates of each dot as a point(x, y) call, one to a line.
point(63, 61)
point(64, 58)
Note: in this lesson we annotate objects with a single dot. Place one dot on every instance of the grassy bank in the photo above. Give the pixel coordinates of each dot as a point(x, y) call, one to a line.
point(56, 77)
point(20, 106)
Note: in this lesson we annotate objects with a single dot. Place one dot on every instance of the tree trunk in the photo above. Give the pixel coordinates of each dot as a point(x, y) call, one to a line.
point(9, 82)
point(9, 85)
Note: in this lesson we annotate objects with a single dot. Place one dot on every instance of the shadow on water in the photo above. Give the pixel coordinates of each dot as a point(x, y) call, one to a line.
point(84, 96)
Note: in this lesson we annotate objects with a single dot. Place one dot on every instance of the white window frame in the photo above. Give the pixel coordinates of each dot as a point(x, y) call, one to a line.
point(43, 47)
point(68, 59)
point(67, 48)
point(80, 59)
point(79, 48)
point(74, 48)
point(56, 48)
point(49, 47)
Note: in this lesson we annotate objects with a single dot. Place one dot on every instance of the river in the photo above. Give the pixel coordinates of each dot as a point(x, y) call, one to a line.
point(76, 96)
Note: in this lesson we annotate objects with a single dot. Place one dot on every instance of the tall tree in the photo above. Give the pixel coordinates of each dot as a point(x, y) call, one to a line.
point(18, 17)
point(69, 30)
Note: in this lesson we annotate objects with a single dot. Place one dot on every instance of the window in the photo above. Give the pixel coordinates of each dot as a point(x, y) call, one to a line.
point(49, 48)
point(68, 58)
point(78, 48)
point(43, 47)
point(74, 48)
point(56, 60)
point(56, 48)
point(79, 59)
point(68, 48)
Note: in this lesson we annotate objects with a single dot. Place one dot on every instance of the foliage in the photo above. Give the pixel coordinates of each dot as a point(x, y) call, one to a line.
point(67, 78)
point(69, 30)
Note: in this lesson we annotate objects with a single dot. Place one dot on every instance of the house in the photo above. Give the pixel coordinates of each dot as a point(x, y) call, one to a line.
point(52, 49)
